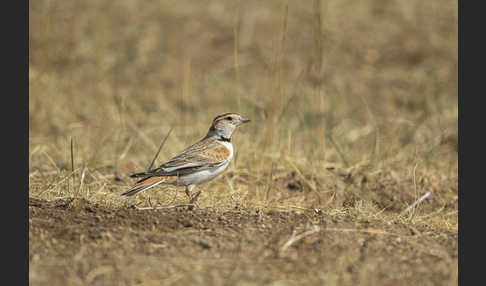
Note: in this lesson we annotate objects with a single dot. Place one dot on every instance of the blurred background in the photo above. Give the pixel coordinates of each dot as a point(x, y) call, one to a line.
point(358, 86)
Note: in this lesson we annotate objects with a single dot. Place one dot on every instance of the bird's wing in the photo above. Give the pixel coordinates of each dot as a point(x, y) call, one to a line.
point(200, 156)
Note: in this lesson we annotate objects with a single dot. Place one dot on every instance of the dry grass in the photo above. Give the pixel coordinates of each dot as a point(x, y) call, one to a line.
point(353, 104)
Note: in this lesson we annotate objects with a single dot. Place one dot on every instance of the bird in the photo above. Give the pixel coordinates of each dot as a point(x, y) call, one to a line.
point(198, 163)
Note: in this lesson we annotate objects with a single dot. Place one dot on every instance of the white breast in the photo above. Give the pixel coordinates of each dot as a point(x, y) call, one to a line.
point(230, 148)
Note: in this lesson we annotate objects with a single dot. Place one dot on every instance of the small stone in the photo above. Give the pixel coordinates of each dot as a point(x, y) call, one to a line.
point(204, 244)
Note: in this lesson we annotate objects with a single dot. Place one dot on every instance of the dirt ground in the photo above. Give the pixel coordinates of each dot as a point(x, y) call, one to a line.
point(80, 243)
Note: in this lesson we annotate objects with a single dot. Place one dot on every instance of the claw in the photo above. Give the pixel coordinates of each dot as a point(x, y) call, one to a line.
point(193, 198)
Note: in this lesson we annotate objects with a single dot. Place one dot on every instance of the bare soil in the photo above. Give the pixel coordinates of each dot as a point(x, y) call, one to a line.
point(75, 242)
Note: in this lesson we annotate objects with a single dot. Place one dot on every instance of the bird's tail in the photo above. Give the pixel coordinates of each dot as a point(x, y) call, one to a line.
point(144, 184)
point(138, 175)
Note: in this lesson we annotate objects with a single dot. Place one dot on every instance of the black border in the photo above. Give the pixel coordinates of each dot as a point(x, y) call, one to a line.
point(471, 128)
point(460, 142)
point(14, 25)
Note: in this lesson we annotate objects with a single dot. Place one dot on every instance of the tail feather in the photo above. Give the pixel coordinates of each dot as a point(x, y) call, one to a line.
point(137, 175)
point(144, 184)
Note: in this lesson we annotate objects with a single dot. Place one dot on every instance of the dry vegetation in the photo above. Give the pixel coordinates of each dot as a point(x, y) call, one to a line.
point(354, 118)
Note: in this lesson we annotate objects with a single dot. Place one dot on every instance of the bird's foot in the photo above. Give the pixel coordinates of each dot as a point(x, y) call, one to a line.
point(193, 198)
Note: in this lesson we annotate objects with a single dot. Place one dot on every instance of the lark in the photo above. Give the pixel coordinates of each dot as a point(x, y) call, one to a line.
point(197, 164)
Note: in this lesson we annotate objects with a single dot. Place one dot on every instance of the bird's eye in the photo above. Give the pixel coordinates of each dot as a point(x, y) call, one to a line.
point(228, 118)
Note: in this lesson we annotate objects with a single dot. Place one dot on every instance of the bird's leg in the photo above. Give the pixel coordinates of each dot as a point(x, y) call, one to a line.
point(189, 189)
point(192, 197)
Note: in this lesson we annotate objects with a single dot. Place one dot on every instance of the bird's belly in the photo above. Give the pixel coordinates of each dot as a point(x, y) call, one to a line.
point(202, 176)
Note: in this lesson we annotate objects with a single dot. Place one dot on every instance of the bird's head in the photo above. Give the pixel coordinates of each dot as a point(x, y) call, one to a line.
point(225, 124)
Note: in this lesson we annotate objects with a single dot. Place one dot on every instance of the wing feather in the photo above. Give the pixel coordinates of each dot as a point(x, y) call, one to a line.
point(202, 155)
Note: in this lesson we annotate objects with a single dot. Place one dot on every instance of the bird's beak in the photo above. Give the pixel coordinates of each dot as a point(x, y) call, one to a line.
point(245, 120)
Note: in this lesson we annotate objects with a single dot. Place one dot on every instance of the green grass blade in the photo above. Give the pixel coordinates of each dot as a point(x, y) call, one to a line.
point(72, 159)
point(158, 151)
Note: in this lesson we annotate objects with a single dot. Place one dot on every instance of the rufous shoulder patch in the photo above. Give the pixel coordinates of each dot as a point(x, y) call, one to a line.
point(219, 153)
